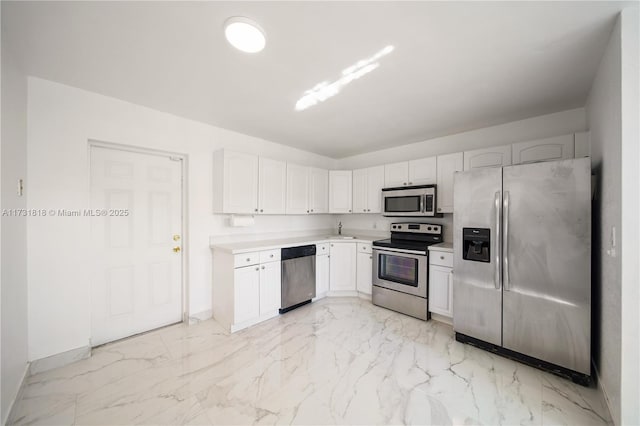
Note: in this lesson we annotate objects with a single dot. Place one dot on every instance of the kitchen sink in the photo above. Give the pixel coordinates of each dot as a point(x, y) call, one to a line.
point(340, 237)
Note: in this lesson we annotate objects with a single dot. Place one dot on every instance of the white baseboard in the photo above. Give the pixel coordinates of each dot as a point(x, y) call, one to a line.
point(441, 318)
point(25, 373)
point(364, 296)
point(200, 316)
point(603, 390)
point(59, 360)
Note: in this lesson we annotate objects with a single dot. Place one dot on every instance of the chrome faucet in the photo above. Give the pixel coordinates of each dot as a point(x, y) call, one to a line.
point(339, 228)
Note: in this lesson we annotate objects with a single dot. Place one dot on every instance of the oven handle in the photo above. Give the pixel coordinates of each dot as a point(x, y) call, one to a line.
point(394, 250)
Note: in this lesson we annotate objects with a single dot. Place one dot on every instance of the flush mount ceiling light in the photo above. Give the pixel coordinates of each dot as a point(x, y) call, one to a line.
point(244, 34)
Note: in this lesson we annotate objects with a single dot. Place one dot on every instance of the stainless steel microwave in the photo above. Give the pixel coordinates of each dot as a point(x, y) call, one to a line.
point(409, 201)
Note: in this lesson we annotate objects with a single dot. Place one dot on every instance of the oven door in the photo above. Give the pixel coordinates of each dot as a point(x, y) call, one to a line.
point(400, 270)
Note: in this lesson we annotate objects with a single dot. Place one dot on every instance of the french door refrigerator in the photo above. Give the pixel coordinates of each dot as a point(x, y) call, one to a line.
point(522, 263)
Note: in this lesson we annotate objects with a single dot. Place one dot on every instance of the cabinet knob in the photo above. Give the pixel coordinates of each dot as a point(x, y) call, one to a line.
point(322, 248)
point(270, 255)
point(256, 210)
point(442, 257)
point(349, 210)
point(410, 183)
point(263, 267)
point(311, 210)
point(370, 257)
point(260, 210)
point(248, 259)
point(331, 245)
point(404, 183)
point(364, 210)
point(439, 209)
point(257, 269)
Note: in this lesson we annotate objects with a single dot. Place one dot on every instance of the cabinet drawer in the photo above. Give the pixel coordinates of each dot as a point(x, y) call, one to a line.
point(442, 258)
point(270, 255)
point(364, 248)
point(245, 259)
point(322, 249)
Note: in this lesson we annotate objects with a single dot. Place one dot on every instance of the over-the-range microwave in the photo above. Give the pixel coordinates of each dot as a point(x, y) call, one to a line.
point(409, 201)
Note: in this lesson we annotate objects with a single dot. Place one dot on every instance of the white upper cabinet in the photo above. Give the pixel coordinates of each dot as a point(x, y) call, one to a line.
point(407, 173)
point(297, 189)
point(340, 191)
point(423, 171)
point(447, 166)
point(235, 182)
point(556, 148)
point(318, 190)
point(367, 189)
point(272, 186)
point(496, 156)
point(396, 174)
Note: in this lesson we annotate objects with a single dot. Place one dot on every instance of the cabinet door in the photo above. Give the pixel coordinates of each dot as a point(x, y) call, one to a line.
point(318, 190)
point(297, 189)
point(246, 294)
point(364, 278)
point(272, 186)
point(270, 287)
point(375, 183)
point(340, 191)
point(496, 156)
point(423, 171)
point(396, 174)
point(322, 275)
point(440, 290)
point(240, 182)
point(582, 143)
point(447, 166)
point(556, 148)
point(360, 191)
point(342, 269)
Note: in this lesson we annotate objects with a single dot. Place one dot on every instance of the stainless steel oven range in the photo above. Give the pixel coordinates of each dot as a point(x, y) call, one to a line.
point(400, 268)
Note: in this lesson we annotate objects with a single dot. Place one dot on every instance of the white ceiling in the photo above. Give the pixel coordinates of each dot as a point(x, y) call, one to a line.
point(456, 66)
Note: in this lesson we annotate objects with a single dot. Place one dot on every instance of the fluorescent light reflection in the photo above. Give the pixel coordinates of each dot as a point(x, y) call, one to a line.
point(323, 91)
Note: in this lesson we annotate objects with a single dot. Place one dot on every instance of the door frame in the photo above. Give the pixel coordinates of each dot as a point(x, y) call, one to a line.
point(184, 160)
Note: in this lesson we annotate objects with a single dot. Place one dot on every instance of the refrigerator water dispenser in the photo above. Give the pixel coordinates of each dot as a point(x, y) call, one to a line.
point(476, 243)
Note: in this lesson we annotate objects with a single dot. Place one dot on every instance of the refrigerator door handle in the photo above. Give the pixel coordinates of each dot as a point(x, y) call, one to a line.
point(505, 241)
point(496, 278)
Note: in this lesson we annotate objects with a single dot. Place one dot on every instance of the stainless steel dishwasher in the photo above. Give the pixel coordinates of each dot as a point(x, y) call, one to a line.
point(298, 276)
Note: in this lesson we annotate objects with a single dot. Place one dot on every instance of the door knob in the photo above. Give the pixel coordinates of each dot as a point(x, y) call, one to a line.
point(176, 249)
point(176, 237)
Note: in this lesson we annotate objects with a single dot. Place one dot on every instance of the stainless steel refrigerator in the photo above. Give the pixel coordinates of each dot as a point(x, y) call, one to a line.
point(522, 263)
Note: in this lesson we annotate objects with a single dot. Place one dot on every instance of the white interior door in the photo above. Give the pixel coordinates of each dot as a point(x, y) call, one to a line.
point(137, 242)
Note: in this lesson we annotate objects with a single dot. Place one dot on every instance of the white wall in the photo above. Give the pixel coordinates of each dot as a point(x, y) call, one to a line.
point(14, 231)
point(630, 343)
point(604, 118)
point(560, 123)
point(61, 121)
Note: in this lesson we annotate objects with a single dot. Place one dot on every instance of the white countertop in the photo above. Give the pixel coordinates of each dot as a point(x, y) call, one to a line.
point(448, 247)
point(248, 246)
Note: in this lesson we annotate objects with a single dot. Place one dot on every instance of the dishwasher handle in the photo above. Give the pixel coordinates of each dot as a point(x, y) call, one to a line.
point(300, 251)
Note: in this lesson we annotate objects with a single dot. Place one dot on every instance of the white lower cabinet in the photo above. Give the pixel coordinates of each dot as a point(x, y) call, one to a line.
point(364, 275)
point(246, 290)
point(322, 274)
point(342, 268)
point(441, 283)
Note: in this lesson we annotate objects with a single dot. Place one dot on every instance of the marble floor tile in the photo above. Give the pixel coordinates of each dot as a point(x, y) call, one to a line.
point(336, 361)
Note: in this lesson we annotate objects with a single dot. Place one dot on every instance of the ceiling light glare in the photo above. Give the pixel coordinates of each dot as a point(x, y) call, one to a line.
point(323, 91)
point(244, 34)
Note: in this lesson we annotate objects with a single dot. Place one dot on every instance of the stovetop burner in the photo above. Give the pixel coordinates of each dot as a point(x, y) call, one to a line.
point(412, 236)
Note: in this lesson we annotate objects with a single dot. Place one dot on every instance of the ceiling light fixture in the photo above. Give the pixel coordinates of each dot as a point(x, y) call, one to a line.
point(323, 91)
point(244, 34)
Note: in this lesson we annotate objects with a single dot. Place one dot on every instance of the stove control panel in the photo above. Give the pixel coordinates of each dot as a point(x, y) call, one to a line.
point(417, 228)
